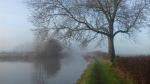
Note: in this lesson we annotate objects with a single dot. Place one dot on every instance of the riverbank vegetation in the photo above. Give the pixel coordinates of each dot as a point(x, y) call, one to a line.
point(91, 74)
point(135, 68)
point(128, 70)
point(100, 71)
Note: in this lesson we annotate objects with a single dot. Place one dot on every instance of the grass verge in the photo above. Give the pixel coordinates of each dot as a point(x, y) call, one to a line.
point(101, 72)
point(90, 76)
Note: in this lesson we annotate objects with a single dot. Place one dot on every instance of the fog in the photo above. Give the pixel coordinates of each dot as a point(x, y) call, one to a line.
point(14, 24)
point(24, 60)
point(16, 34)
point(125, 45)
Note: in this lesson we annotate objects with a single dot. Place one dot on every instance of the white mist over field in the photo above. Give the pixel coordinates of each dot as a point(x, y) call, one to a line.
point(16, 34)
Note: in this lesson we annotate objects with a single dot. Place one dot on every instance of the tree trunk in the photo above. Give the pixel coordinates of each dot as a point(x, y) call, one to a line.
point(111, 49)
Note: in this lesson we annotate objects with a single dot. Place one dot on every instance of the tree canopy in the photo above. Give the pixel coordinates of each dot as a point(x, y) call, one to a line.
point(86, 20)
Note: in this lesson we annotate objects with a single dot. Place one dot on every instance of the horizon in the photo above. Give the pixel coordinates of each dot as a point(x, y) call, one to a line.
point(15, 32)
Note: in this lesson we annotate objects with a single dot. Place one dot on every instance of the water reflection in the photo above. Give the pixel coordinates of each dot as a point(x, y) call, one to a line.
point(44, 69)
point(48, 61)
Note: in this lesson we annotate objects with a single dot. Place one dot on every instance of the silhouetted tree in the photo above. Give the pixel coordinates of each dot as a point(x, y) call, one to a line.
point(86, 20)
point(49, 49)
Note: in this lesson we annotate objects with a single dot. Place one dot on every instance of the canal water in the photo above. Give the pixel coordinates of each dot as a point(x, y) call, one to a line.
point(48, 71)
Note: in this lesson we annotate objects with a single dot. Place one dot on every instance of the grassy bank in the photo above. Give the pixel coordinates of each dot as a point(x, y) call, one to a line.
point(91, 74)
point(101, 72)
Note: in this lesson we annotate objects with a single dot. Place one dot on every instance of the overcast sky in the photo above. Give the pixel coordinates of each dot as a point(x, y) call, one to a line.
point(15, 30)
point(14, 24)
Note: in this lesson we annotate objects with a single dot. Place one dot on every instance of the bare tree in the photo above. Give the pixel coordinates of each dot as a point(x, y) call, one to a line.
point(86, 20)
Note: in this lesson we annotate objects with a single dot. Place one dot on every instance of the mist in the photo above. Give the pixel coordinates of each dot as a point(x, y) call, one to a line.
point(16, 34)
point(125, 45)
point(25, 59)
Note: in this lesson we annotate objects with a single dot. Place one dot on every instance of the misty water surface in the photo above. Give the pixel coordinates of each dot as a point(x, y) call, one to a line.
point(42, 71)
